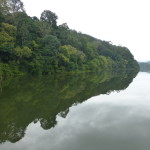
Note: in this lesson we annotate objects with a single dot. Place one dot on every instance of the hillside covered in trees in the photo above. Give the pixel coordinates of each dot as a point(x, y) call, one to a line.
point(40, 46)
point(144, 66)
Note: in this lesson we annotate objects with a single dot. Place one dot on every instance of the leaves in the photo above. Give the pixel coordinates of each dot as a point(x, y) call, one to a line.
point(23, 52)
point(39, 46)
point(49, 17)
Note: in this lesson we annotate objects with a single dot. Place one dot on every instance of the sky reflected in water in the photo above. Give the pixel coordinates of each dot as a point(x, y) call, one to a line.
point(118, 121)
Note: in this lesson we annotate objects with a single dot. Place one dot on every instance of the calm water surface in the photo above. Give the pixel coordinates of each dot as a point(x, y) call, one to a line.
point(90, 112)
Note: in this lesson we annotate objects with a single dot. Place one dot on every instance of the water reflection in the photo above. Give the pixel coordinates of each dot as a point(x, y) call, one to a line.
point(42, 99)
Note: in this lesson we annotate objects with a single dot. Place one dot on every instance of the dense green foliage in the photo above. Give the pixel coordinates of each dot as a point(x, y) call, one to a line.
point(144, 66)
point(40, 46)
point(41, 99)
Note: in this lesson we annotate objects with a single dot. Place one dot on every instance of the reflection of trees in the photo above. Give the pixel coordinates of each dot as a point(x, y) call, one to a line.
point(42, 99)
point(13, 133)
point(48, 123)
point(63, 114)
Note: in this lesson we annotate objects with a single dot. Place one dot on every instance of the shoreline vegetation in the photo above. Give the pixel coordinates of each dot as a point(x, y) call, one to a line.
point(38, 46)
point(144, 66)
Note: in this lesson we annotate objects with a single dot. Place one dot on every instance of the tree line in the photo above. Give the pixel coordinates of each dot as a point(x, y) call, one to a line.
point(40, 46)
point(144, 66)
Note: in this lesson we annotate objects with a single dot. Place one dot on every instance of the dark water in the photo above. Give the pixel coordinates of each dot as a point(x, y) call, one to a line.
point(76, 112)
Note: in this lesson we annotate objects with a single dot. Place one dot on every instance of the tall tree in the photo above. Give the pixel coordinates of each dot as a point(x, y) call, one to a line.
point(49, 17)
point(16, 6)
point(11, 6)
point(4, 9)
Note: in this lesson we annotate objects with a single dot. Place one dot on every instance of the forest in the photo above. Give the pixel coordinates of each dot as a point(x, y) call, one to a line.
point(144, 66)
point(38, 46)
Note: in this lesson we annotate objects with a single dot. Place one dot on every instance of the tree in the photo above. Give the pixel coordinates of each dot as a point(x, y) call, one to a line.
point(15, 6)
point(4, 7)
point(70, 57)
point(7, 41)
point(44, 28)
point(50, 45)
point(49, 17)
point(11, 6)
point(27, 29)
point(9, 29)
point(23, 52)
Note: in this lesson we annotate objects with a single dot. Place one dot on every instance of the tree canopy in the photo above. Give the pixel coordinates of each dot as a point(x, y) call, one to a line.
point(40, 46)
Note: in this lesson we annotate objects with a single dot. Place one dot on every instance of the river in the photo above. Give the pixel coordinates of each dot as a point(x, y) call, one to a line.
point(76, 112)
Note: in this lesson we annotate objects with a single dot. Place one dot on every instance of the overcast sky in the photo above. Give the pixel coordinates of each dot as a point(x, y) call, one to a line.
point(124, 22)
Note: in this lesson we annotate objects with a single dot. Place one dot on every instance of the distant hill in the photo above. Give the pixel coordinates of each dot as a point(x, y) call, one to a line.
point(144, 66)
